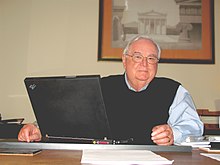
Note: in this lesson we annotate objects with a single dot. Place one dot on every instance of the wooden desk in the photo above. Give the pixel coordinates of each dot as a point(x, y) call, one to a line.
point(74, 157)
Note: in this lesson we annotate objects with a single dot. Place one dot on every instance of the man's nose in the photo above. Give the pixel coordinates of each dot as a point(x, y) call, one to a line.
point(144, 62)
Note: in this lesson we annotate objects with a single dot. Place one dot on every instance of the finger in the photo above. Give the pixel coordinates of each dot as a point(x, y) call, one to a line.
point(161, 135)
point(164, 141)
point(22, 136)
point(158, 129)
point(35, 137)
point(26, 135)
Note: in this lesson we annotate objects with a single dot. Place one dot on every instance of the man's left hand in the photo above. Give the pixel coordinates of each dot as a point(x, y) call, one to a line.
point(162, 135)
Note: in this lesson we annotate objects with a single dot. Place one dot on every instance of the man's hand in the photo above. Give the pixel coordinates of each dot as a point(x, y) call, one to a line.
point(29, 133)
point(162, 135)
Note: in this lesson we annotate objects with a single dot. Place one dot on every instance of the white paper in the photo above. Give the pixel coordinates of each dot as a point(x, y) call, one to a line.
point(195, 144)
point(122, 157)
point(213, 156)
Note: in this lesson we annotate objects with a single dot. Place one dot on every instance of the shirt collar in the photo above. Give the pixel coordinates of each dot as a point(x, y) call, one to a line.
point(130, 87)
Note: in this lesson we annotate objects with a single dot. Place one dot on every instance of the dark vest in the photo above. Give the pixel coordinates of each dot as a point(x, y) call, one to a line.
point(134, 114)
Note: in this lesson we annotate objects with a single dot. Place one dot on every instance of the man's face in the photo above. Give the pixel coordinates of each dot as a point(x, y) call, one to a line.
point(143, 72)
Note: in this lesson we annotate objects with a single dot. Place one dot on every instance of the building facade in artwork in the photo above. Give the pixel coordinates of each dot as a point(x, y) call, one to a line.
point(152, 23)
point(190, 12)
point(186, 33)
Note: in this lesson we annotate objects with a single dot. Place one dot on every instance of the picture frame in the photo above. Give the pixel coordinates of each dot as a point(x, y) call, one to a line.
point(195, 47)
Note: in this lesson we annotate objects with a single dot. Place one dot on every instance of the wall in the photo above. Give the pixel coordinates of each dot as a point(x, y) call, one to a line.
point(60, 37)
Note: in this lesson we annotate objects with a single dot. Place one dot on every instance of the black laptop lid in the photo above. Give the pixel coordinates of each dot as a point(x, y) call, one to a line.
point(69, 106)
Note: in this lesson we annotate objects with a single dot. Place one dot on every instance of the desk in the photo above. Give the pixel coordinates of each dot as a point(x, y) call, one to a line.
point(73, 157)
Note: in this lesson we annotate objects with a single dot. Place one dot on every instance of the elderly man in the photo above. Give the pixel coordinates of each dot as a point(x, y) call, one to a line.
point(148, 109)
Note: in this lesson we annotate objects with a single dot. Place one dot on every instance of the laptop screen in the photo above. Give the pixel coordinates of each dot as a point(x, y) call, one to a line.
point(69, 106)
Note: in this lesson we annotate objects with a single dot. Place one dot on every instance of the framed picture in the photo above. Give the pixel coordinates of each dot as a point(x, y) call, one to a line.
point(184, 31)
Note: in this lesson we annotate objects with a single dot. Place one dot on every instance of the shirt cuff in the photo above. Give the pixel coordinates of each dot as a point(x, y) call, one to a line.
point(178, 136)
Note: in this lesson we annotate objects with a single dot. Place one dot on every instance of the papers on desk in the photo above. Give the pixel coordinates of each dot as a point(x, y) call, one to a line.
point(213, 137)
point(195, 144)
point(212, 156)
point(125, 157)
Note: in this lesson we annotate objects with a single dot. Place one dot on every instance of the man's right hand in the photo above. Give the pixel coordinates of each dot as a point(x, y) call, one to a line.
point(29, 133)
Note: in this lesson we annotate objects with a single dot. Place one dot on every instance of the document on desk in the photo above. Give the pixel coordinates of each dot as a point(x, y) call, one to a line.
point(212, 156)
point(195, 144)
point(124, 157)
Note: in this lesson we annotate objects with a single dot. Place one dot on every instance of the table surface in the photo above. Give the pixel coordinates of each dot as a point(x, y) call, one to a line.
point(73, 157)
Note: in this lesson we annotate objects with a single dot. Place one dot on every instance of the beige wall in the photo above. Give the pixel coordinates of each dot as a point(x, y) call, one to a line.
point(59, 37)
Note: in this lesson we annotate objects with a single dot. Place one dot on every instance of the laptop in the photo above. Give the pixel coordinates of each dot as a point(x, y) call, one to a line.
point(69, 107)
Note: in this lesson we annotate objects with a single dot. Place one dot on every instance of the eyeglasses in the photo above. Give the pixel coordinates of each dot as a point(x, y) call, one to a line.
point(138, 58)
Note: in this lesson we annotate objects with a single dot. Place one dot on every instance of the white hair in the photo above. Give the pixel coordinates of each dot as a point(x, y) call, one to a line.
point(139, 37)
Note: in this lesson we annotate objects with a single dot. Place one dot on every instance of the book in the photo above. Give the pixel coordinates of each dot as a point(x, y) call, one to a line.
point(19, 152)
point(215, 144)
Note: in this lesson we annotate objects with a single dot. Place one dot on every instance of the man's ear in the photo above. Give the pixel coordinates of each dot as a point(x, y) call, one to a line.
point(124, 60)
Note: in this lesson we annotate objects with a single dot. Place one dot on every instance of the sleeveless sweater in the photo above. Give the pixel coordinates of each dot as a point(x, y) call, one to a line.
point(134, 114)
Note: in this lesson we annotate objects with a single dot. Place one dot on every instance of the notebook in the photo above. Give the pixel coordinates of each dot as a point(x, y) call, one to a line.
point(71, 107)
point(19, 152)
